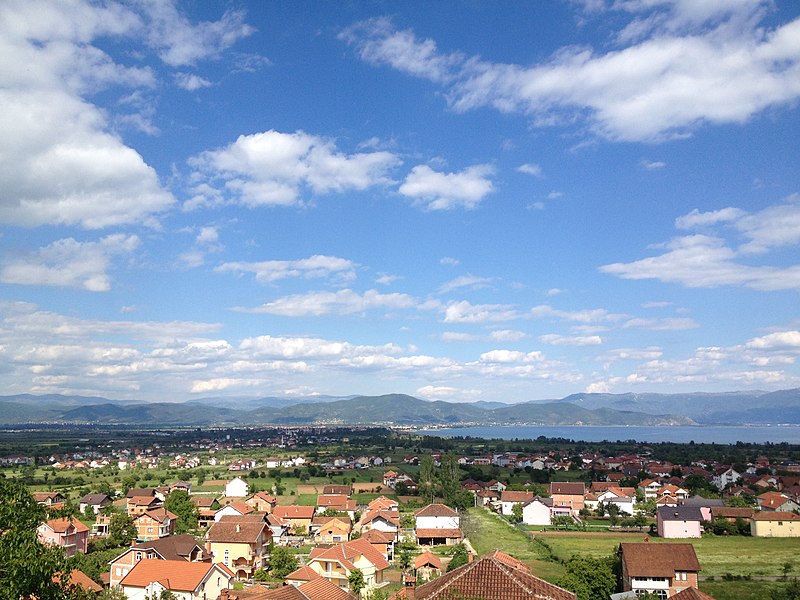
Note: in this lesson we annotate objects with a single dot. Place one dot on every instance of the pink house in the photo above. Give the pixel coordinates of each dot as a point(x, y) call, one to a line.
point(70, 534)
point(679, 522)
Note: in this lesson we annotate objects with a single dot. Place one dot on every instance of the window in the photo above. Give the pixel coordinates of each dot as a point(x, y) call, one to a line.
point(226, 560)
point(138, 556)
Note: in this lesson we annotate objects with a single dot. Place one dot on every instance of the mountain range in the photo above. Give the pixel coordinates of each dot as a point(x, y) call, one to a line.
point(780, 407)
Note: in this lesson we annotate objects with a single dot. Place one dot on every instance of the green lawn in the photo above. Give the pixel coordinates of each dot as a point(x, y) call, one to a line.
point(718, 555)
point(741, 590)
point(488, 532)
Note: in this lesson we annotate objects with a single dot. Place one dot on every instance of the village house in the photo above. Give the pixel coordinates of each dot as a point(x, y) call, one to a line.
point(240, 543)
point(330, 530)
point(337, 502)
point(337, 562)
point(679, 522)
point(69, 534)
point(777, 501)
point(725, 476)
point(154, 524)
point(175, 547)
point(149, 578)
point(509, 498)
point(426, 565)
point(49, 499)
point(298, 518)
point(383, 541)
point(661, 569)
point(437, 524)
point(237, 488)
point(567, 496)
point(538, 511)
point(775, 524)
point(262, 502)
point(234, 509)
point(97, 501)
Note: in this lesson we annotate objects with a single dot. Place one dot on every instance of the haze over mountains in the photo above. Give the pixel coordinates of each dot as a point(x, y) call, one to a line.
point(780, 407)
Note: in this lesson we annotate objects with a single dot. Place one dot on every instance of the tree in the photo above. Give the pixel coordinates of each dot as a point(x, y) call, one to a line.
point(460, 557)
point(404, 559)
point(282, 562)
point(516, 511)
point(590, 578)
point(427, 483)
point(449, 476)
point(356, 581)
point(27, 567)
point(181, 504)
point(121, 529)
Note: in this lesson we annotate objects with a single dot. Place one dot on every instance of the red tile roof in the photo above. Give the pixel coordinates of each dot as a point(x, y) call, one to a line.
point(294, 512)
point(775, 516)
point(439, 533)
point(436, 510)
point(692, 594)
point(490, 578)
point(347, 552)
point(322, 589)
point(428, 558)
point(61, 525)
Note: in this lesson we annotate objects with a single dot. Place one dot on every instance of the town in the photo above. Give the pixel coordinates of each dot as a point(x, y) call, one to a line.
point(327, 512)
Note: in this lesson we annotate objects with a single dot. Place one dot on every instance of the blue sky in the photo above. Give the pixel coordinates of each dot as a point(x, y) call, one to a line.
point(456, 200)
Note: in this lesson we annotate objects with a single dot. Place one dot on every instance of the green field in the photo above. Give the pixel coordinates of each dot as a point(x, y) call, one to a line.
point(736, 555)
point(488, 532)
point(741, 590)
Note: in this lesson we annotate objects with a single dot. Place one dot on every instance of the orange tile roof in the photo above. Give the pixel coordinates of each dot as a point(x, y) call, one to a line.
point(294, 512)
point(691, 593)
point(322, 589)
point(347, 552)
point(61, 525)
point(177, 575)
point(428, 558)
point(436, 510)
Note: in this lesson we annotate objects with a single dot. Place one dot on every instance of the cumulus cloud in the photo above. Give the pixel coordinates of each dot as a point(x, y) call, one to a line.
point(69, 263)
point(63, 164)
point(674, 69)
point(434, 190)
point(711, 260)
point(191, 82)
point(274, 168)
point(317, 266)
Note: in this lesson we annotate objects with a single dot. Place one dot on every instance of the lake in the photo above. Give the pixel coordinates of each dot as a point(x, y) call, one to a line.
point(719, 434)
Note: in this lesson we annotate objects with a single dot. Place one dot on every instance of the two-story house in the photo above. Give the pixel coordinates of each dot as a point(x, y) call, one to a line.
point(661, 569)
point(154, 524)
point(337, 562)
point(437, 524)
point(175, 547)
point(69, 534)
point(240, 543)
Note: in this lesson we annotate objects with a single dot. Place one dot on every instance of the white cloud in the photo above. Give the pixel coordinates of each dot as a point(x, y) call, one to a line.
point(63, 164)
point(465, 281)
point(443, 191)
point(464, 312)
point(677, 67)
point(342, 302)
point(449, 261)
point(511, 356)
point(378, 43)
point(180, 43)
point(700, 261)
point(666, 324)
point(698, 219)
point(594, 315)
point(782, 340)
point(531, 169)
point(69, 263)
point(317, 266)
point(191, 82)
point(386, 279)
point(274, 168)
point(564, 340)
point(652, 165)
point(507, 335)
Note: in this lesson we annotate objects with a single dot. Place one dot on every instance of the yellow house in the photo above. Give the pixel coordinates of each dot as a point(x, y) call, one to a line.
point(336, 563)
point(240, 543)
point(775, 524)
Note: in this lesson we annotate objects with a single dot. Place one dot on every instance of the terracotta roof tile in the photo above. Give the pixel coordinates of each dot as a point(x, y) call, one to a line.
point(235, 529)
point(176, 575)
point(436, 510)
point(439, 533)
point(692, 594)
point(322, 589)
point(775, 516)
point(490, 579)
